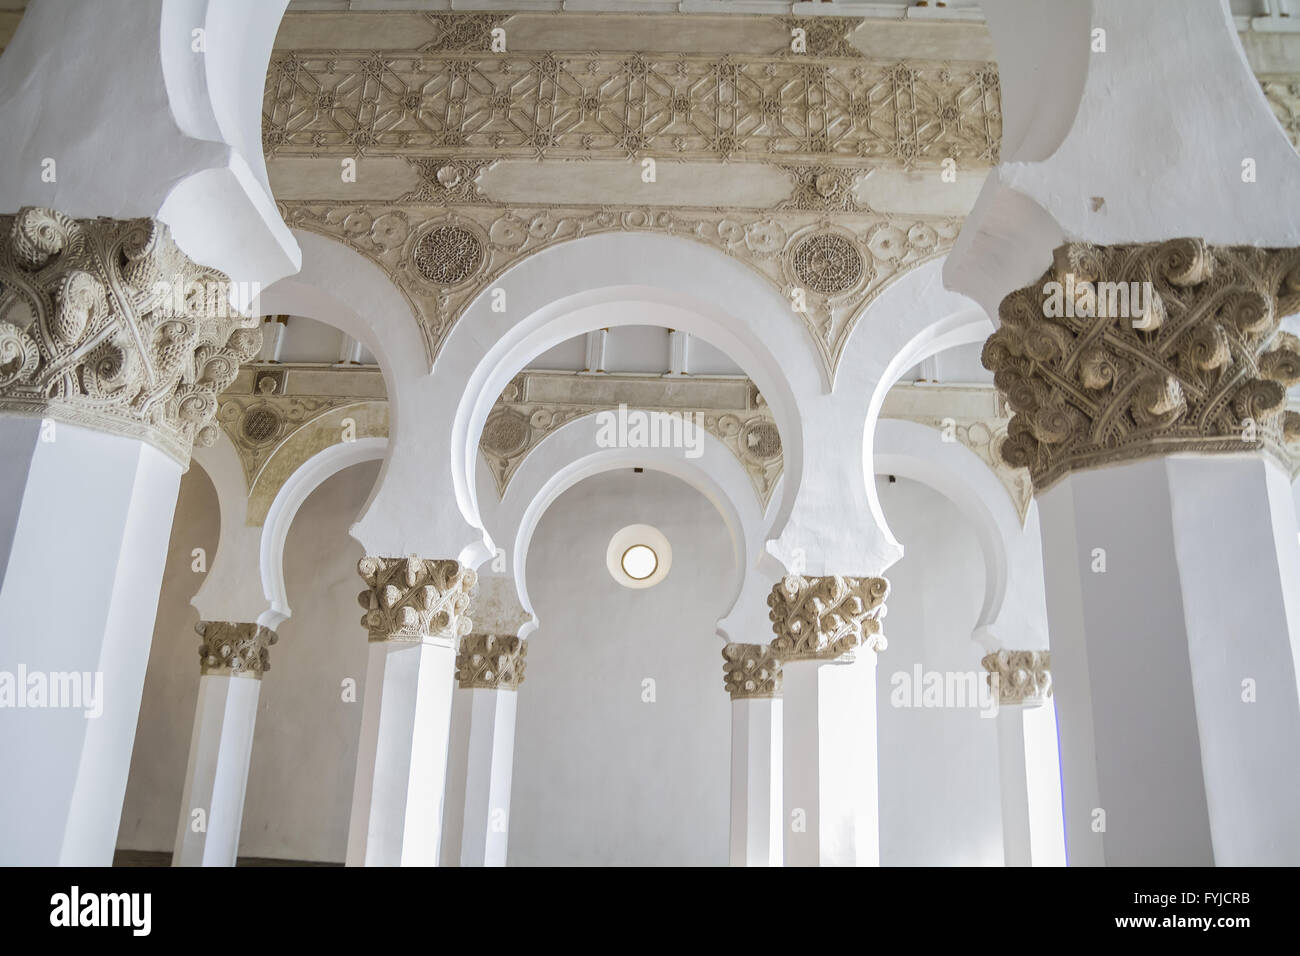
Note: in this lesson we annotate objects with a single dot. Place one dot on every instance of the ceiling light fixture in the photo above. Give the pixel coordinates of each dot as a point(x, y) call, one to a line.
point(638, 556)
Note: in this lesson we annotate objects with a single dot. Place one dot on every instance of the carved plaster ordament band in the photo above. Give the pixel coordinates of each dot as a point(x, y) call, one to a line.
point(235, 650)
point(412, 600)
point(1186, 355)
point(491, 661)
point(1020, 677)
point(105, 323)
point(822, 618)
point(750, 671)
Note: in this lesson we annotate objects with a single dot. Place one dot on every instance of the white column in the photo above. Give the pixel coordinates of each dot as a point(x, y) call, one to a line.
point(679, 352)
point(1029, 770)
point(596, 342)
point(402, 755)
point(233, 658)
point(84, 521)
point(757, 820)
point(273, 327)
point(415, 611)
point(488, 772)
point(1175, 629)
point(1033, 832)
point(216, 777)
point(349, 351)
point(827, 636)
point(832, 800)
point(476, 824)
point(753, 678)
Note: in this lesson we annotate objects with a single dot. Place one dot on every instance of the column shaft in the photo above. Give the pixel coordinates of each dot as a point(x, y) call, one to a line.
point(232, 657)
point(832, 801)
point(402, 755)
point(757, 819)
point(216, 777)
point(476, 824)
point(1175, 666)
point(84, 522)
point(1029, 771)
point(488, 773)
point(416, 610)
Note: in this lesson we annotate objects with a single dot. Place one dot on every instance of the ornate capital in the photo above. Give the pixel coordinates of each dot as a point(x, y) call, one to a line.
point(1020, 677)
point(1131, 351)
point(411, 599)
point(491, 661)
point(106, 323)
point(751, 670)
point(231, 649)
point(821, 618)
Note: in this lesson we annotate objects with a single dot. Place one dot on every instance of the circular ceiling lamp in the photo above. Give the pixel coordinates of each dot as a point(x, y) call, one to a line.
point(638, 556)
point(639, 562)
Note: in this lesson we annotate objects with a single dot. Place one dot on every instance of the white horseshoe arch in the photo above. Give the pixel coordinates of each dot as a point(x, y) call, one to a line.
point(690, 287)
point(1014, 612)
point(297, 488)
point(570, 454)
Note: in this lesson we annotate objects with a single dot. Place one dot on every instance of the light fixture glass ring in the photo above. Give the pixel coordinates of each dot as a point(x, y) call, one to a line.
point(640, 561)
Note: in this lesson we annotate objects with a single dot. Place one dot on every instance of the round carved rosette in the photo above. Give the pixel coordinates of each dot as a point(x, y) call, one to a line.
point(448, 254)
point(827, 263)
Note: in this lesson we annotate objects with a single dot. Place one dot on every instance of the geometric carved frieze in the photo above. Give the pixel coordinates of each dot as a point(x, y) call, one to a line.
point(491, 661)
point(816, 106)
point(106, 323)
point(1019, 677)
point(832, 264)
point(751, 671)
point(532, 406)
point(411, 599)
point(1133, 351)
point(232, 649)
point(823, 618)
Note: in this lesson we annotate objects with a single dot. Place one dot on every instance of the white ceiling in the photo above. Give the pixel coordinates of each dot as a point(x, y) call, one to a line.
point(629, 349)
point(307, 341)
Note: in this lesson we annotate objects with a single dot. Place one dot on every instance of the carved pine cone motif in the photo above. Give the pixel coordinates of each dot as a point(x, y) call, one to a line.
point(491, 661)
point(234, 649)
point(1185, 355)
point(146, 359)
point(751, 670)
point(1019, 676)
point(409, 599)
point(825, 617)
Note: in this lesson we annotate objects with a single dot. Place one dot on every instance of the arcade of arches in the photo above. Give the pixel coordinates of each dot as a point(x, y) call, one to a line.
point(761, 433)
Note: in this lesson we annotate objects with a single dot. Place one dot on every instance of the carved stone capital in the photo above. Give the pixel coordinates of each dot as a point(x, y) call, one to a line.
point(412, 599)
point(106, 323)
point(822, 618)
point(231, 649)
point(1019, 677)
point(1133, 351)
point(491, 661)
point(751, 670)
